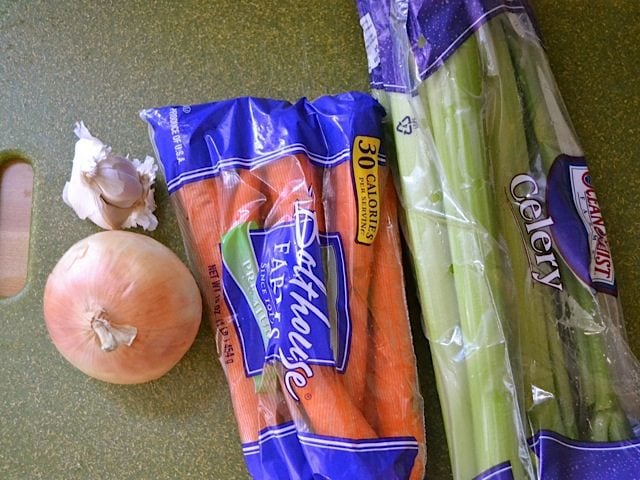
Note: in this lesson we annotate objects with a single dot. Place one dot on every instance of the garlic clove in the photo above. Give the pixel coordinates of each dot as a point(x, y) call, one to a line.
point(144, 217)
point(112, 191)
point(114, 217)
point(118, 181)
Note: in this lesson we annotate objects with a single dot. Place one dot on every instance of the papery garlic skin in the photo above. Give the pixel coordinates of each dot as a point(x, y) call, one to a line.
point(112, 191)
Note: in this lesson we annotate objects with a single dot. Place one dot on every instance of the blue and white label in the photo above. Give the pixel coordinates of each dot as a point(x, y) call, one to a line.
point(588, 209)
point(563, 459)
point(291, 304)
point(535, 223)
point(560, 217)
point(578, 225)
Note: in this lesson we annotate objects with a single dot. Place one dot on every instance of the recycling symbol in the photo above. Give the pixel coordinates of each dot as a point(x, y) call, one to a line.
point(406, 125)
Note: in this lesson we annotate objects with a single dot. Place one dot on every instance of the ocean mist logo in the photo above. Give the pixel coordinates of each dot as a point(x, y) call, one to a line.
point(586, 203)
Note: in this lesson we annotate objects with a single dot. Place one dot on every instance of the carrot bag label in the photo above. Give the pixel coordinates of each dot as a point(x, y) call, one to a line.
point(282, 269)
point(288, 213)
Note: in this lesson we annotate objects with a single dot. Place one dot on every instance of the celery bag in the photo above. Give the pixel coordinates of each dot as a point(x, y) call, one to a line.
point(289, 216)
point(509, 248)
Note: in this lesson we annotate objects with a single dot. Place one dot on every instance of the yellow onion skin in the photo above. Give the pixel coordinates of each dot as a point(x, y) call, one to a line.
point(136, 282)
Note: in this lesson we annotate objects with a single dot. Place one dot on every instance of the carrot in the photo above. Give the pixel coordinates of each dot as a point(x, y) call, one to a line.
point(323, 405)
point(324, 399)
point(340, 200)
point(202, 220)
point(393, 404)
point(249, 203)
point(288, 180)
point(338, 417)
point(240, 189)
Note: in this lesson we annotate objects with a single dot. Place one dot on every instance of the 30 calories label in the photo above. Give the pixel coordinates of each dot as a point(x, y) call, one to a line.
point(367, 187)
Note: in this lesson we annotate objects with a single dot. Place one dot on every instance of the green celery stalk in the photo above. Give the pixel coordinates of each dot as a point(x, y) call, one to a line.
point(425, 227)
point(547, 390)
point(554, 135)
point(454, 95)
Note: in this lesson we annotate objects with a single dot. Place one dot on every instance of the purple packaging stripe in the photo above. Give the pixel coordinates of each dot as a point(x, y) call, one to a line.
point(195, 142)
point(332, 457)
point(383, 24)
point(277, 454)
point(431, 29)
point(438, 27)
point(565, 459)
point(283, 452)
point(502, 471)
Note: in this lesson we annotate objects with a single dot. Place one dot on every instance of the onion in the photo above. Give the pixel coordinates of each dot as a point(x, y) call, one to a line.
point(122, 307)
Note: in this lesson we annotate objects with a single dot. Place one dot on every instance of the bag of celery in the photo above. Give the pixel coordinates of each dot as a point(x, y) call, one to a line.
point(508, 245)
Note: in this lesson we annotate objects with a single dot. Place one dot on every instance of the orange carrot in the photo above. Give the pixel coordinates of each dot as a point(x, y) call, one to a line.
point(394, 405)
point(206, 222)
point(202, 220)
point(324, 404)
point(288, 180)
point(340, 201)
point(249, 204)
point(369, 404)
point(327, 409)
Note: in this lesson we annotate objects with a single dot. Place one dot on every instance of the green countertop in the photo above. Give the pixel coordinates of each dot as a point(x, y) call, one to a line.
point(101, 62)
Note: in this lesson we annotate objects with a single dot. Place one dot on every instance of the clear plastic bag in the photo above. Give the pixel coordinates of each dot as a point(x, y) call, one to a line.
point(508, 244)
point(289, 216)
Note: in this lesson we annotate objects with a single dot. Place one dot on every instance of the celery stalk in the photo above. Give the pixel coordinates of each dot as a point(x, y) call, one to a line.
point(554, 135)
point(454, 96)
point(548, 400)
point(425, 227)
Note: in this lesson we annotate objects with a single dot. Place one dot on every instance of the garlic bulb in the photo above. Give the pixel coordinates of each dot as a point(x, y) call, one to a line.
point(111, 191)
point(122, 307)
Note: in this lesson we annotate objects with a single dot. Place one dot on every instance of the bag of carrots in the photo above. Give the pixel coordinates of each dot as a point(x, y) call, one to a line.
point(288, 214)
point(516, 281)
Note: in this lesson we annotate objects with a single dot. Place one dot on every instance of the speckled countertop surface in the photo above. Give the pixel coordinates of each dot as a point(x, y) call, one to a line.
point(102, 62)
